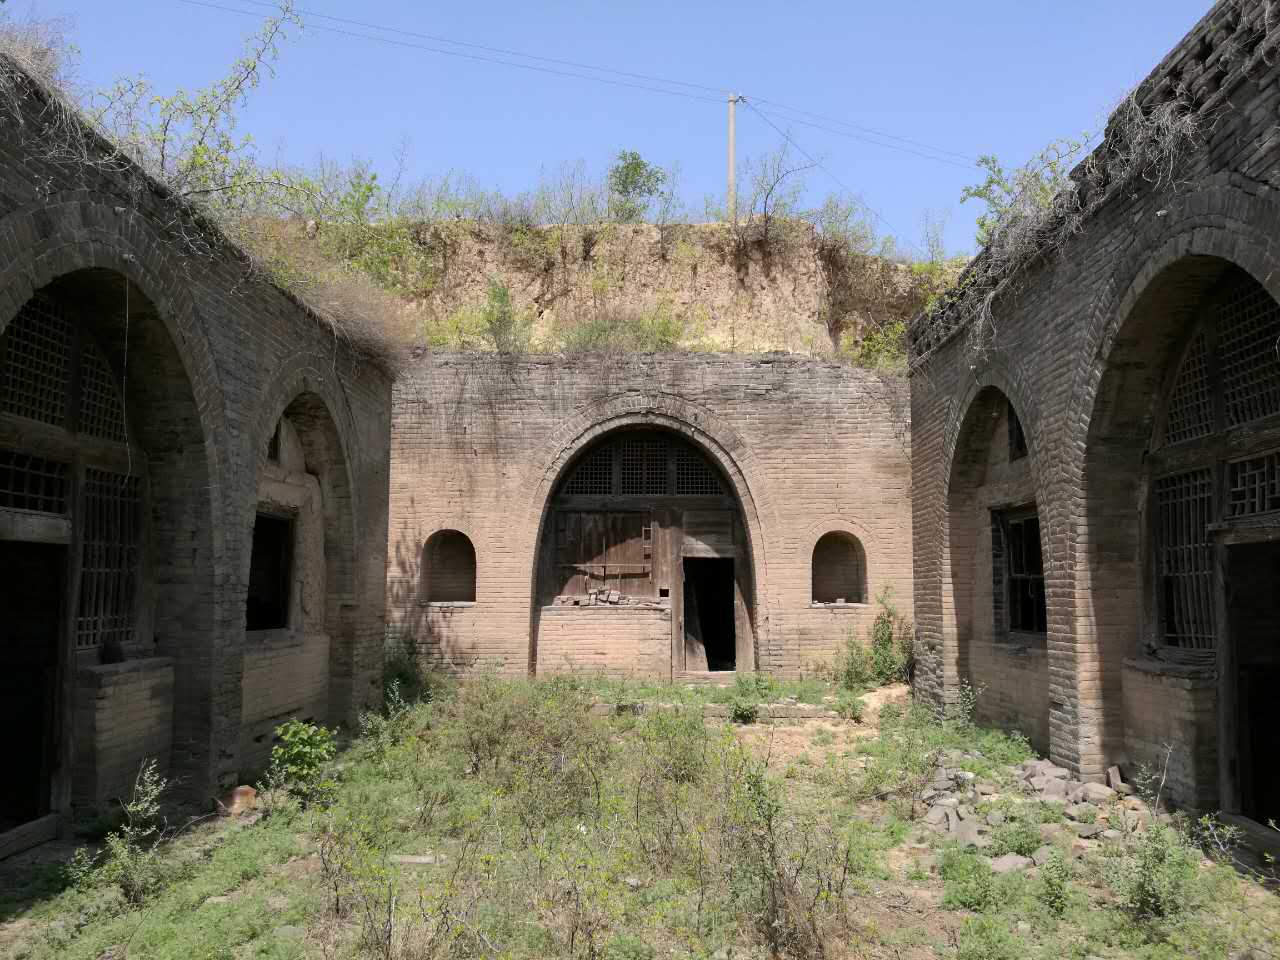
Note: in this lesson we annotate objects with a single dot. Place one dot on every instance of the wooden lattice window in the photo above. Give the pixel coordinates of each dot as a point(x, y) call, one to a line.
point(36, 374)
point(644, 466)
point(593, 476)
point(694, 476)
point(1019, 604)
point(1248, 341)
point(1253, 485)
point(1184, 510)
point(33, 483)
point(109, 565)
point(101, 414)
point(1191, 404)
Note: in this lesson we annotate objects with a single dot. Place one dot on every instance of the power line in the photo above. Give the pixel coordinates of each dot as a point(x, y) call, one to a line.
point(902, 144)
point(867, 130)
point(467, 56)
point(866, 139)
point(823, 167)
point(502, 50)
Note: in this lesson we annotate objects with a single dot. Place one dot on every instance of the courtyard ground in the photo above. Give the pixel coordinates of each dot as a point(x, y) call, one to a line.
point(619, 821)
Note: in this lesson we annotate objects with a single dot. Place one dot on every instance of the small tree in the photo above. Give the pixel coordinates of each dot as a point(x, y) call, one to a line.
point(1027, 189)
point(633, 183)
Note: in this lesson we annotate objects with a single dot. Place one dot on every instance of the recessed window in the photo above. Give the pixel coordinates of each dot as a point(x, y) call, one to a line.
point(1017, 438)
point(839, 569)
point(270, 573)
point(448, 568)
point(1018, 572)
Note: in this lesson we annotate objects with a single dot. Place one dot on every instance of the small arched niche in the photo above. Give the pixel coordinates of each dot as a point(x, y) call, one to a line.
point(448, 568)
point(839, 569)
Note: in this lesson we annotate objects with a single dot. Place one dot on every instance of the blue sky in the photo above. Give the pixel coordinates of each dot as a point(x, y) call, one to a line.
point(986, 76)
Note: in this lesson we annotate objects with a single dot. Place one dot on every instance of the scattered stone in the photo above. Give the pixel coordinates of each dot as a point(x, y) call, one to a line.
point(996, 818)
point(1054, 789)
point(1124, 789)
point(1009, 863)
point(947, 802)
point(1095, 792)
point(965, 812)
point(277, 902)
point(1041, 856)
point(1111, 835)
point(1113, 778)
point(936, 815)
point(237, 801)
point(1087, 831)
point(1082, 811)
point(418, 859)
point(1050, 831)
point(1079, 848)
point(971, 834)
point(633, 882)
point(986, 789)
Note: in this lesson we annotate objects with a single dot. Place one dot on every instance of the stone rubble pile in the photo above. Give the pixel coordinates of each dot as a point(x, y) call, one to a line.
point(1093, 812)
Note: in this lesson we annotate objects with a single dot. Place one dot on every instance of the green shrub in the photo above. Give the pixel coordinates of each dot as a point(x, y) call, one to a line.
point(678, 743)
point(129, 859)
point(506, 329)
point(299, 759)
point(986, 938)
point(969, 883)
point(1156, 879)
point(1054, 890)
point(850, 705)
point(1016, 836)
point(750, 690)
point(624, 946)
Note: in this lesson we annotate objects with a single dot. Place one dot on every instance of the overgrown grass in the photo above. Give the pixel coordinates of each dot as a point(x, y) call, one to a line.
point(508, 818)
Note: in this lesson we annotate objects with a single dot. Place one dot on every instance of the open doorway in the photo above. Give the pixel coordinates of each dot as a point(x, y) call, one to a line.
point(1253, 575)
point(710, 635)
point(30, 634)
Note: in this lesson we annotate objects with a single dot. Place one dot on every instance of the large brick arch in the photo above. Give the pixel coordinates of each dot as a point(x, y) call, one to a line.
point(306, 387)
point(1222, 223)
point(73, 234)
point(723, 445)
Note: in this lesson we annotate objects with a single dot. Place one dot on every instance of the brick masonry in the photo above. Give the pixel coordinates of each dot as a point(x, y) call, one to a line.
point(479, 441)
point(216, 356)
point(1084, 344)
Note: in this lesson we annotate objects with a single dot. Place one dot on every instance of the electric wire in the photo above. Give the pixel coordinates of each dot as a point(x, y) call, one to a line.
point(863, 133)
point(825, 169)
point(467, 56)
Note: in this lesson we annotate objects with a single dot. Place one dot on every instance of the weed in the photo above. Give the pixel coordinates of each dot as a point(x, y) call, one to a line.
point(1016, 836)
point(987, 938)
point(1156, 879)
point(850, 706)
point(300, 759)
point(969, 881)
point(1054, 890)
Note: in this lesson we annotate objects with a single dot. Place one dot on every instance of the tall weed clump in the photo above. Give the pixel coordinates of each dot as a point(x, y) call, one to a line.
point(887, 656)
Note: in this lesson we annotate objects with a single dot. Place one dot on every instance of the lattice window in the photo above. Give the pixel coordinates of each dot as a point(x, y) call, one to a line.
point(109, 567)
point(101, 414)
point(644, 467)
point(1253, 485)
point(1184, 505)
point(1191, 406)
point(36, 373)
point(694, 476)
point(593, 476)
point(32, 483)
point(1248, 340)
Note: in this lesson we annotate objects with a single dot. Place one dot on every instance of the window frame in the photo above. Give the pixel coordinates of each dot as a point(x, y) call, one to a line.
point(1004, 576)
point(287, 575)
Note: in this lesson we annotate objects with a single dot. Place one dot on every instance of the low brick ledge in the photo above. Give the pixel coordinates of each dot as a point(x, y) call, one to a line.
point(765, 711)
point(105, 671)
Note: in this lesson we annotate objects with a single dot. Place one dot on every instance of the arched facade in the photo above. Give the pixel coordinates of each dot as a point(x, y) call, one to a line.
point(139, 486)
point(1151, 493)
point(491, 445)
point(839, 569)
point(644, 563)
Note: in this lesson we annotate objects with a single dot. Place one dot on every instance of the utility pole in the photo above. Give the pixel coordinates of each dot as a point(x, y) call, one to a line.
point(731, 199)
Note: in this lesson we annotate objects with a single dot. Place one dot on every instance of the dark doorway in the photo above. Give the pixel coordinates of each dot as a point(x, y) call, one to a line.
point(270, 573)
point(709, 630)
point(1253, 578)
point(30, 634)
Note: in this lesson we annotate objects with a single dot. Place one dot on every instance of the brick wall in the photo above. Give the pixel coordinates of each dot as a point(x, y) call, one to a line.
point(479, 441)
point(1083, 342)
point(615, 641)
point(216, 355)
point(123, 716)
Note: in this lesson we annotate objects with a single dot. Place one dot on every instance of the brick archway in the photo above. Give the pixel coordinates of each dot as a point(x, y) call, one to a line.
point(723, 446)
